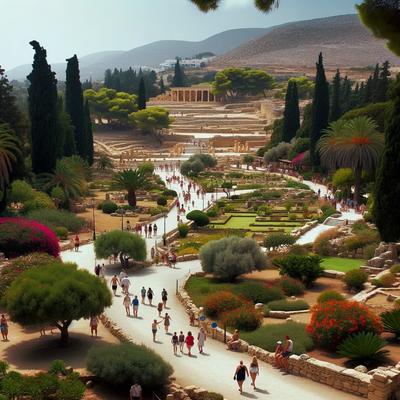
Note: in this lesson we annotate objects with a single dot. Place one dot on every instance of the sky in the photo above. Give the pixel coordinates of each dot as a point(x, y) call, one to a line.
point(67, 27)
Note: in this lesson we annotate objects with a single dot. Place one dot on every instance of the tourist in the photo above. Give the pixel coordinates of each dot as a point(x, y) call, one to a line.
point(159, 308)
point(181, 341)
point(97, 270)
point(192, 318)
point(254, 371)
point(234, 342)
point(94, 322)
point(154, 327)
point(125, 284)
point(135, 392)
point(287, 352)
point(4, 327)
point(135, 306)
point(167, 322)
point(173, 260)
point(240, 375)
point(152, 253)
point(102, 273)
point(122, 275)
point(114, 284)
point(127, 304)
point(155, 228)
point(170, 259)
point(278, 354)
point(150, 295)
point(189, 342)
point(145, 230)
point(164, 297)
point(143, 294)
point(150, 230)
point(76, 243)
point(201, 338)
point(175, 341)
point(128, 226)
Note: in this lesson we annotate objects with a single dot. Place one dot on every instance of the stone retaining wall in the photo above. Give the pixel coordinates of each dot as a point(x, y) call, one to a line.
point(379, 384)
point(178, 392)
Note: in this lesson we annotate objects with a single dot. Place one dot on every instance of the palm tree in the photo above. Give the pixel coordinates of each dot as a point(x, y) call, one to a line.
point(104, 162)
point(9, 153)
point(354, 144)
point(130, 180)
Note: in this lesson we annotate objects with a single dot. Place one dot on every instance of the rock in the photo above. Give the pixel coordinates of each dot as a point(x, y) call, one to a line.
point(89, 384)
point(259, 306)
point(376, 262)
point(170, 397)
point(304, 357)
point(361, 368)
point(379, 377)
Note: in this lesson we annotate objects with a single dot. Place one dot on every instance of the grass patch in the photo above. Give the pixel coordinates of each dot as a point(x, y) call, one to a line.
point(267, 336)
point(287, 305)
point(341, 264)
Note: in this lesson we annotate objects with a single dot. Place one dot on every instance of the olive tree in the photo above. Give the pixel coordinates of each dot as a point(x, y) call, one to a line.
point(56, 294)
point(230, 257)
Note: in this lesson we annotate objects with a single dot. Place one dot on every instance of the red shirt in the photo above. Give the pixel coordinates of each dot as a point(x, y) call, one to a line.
point(189, 340)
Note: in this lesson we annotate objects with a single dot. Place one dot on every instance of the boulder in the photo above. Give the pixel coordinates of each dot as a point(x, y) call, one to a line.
point(361, 368)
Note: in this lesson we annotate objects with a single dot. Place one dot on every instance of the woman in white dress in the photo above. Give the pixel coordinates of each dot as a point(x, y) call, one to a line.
point(254, 371)
point(201, 338)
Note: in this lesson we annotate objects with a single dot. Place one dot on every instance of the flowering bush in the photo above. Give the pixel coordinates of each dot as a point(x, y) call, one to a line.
point(19, 236)
point(220, 302)
point(244, 318)
point(332, 321)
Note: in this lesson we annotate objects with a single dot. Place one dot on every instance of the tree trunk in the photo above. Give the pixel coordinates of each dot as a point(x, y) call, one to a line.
point(132, 198)
point(357, 184)
point(63, 327)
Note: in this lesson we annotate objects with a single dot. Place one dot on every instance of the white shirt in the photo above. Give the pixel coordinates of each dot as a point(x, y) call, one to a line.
point(136, 391)
point(290, 345)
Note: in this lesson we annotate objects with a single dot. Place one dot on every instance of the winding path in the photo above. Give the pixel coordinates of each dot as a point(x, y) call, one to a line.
point(214, 369)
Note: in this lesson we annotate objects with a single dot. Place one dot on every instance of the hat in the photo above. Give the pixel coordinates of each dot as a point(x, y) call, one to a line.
point(278, 342)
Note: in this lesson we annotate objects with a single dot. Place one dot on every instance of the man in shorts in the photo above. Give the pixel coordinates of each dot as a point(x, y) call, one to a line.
point(135, 393)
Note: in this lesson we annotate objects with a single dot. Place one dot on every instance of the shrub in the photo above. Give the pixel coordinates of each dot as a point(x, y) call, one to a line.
point(278, 239)
point(57, 367)
point(21, 192)
point(212, 213)
point(327, 210)
point(12, 385)
point(369, 251)
point(109, 207)
point(328, 295)
point(170, 193)
point(363, 347)
point(243, 318)
point(122, 364)
point(198, 217)
point(287, 305)
point(291, 287)
point(157, 210)
point(183, 230)
point(162, 201)
point(230, 257)
point(40, 386)
point(361, 239)
point(19, 236)
point(258, 293)
point(214, 396)
point(333, 321)
point(70, 388)
point(391, 322)
point(55, 218)
point(304, 268)
point(355, 279)
point(220, 302)
point(387, 280)
point(395, 269)
point(61, 232)
point(322, 245)
point(267, 336)
point(40, 200)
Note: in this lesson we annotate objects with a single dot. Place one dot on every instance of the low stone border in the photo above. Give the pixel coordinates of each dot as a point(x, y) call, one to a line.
point(286, 314)
point(331, 273)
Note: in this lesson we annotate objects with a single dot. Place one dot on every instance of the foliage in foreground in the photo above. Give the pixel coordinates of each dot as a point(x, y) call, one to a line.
point(126, 363)
point(355, 279)
point(391, 322)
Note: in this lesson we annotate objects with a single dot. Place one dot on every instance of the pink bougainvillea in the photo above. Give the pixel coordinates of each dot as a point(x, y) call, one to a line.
point(19, 236)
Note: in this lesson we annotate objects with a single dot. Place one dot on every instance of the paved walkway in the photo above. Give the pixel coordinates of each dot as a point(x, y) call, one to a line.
point(214, 369)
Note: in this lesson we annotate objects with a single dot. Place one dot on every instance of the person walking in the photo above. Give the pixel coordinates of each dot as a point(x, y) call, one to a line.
point(189, 342)
point(127, 304)
point(155, 229)
point(4, 327)
point(164, 297)
point(135, 392)
point(175, 342)
point(181, 341)
point(102, 273)
point(114, 284)
point(159, 308)
point(240, 375)
point(94, 323)
point(154, 327)
point(145, 230)
point(76, 243)
point(254, 371)
point(167, 322)
point(278, 354)
point(143, 294)
point(135, 306)
point(125, 283)
point(150, 230)
point(150, 295)
point(97, 270)
point(201, 338)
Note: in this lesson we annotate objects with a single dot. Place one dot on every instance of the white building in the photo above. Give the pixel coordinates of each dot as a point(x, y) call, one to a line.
point(186, 62)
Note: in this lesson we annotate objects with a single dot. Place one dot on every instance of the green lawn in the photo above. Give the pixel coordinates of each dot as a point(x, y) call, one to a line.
point(341, 264)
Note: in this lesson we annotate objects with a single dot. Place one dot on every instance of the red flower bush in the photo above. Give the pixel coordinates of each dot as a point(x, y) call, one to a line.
point(334, 320)
point(219, 302)
point(245, 318)
point(19, 236)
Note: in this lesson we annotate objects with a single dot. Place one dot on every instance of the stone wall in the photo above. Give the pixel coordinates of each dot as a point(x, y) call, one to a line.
point(178, 392)
point(377, 385)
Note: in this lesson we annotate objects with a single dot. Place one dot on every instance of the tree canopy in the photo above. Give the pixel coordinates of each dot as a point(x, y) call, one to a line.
point(131, 180)
point(151, 120)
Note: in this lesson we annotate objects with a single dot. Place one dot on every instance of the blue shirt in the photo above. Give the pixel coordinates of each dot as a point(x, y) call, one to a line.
point(135, 302)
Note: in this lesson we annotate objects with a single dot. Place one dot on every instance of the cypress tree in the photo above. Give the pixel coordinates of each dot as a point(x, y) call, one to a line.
point(88, 134)
point(142, 95)
point(336, 110)
point(387, 187)
point(108, 79)
point(346, 95)
point(43, 113)
point(162, 86)
point(291, 116)
point(74, 105)
point(320, 110)
point(368, 93)
point(179, 76)
point(65, 126)
point(383, 84)
point(361, 95)
point(375, 82)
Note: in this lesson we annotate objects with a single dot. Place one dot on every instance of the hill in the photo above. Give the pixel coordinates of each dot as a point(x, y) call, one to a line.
point(151, 55)
point(344, 41)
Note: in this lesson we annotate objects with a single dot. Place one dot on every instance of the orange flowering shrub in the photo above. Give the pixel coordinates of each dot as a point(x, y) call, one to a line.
point(245, 318)
point(219, 302)
point(334, 320)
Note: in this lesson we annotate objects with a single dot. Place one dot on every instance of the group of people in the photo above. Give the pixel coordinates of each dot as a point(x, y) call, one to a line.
point(146, 230)
point(242, 371)
point(282, 353)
